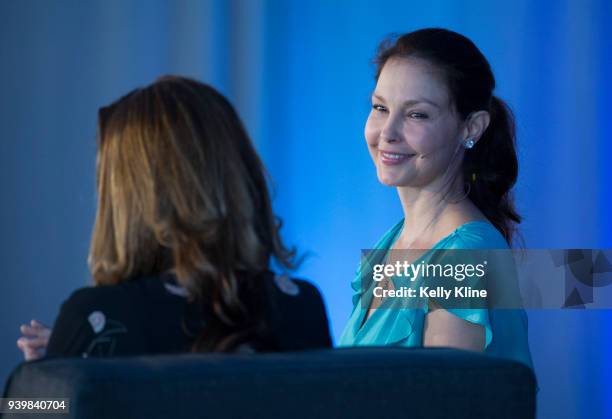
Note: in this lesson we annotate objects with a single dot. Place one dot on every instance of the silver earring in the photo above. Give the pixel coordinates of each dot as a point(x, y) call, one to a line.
point(469, 143)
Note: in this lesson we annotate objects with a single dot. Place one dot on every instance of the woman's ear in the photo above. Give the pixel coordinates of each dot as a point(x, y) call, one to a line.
point(475, 125)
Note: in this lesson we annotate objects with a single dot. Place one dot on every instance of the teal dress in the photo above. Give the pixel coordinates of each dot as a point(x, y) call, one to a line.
point(505, 329)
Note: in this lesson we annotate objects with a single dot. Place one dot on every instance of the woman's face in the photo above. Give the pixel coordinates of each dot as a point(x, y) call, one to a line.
point(412, 131)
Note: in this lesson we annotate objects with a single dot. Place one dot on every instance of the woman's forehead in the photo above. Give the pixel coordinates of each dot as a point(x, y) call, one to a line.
point(407, 79)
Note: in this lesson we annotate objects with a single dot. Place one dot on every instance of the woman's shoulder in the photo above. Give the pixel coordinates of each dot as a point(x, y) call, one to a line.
point(294, 287)
point(117, 319)
point(127, 291)
point(477, 234)
point(85, 297)
point(298, 311)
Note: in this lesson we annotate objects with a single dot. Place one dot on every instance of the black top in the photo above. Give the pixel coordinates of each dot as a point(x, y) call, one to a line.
point(149, 316)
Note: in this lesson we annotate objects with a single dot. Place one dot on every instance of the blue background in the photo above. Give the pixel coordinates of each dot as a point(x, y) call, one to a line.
point(300, 75)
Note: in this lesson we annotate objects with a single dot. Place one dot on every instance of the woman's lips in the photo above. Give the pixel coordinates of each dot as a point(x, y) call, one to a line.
point(392, 159)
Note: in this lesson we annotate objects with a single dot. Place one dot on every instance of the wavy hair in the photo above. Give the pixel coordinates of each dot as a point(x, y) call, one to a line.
point(182, 190)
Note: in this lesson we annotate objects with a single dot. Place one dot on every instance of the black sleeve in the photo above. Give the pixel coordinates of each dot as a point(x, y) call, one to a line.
point(72, 332)
point(300, 321)
point(320, 322)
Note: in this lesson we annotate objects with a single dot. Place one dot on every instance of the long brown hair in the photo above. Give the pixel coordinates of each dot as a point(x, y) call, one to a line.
point(492, 165)
point(182, 190)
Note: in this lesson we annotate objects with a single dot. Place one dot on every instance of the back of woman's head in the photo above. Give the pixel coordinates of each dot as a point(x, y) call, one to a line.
point(491, 166)
point(182, 190)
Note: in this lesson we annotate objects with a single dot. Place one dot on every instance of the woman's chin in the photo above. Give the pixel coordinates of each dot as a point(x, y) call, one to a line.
point(389, 180)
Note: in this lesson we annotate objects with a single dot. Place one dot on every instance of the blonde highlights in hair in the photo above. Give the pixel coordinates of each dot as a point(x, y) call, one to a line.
point(182, 190)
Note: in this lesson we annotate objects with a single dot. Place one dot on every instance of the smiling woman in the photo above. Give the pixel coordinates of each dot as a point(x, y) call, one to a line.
point(439, 136)
point(426, 122)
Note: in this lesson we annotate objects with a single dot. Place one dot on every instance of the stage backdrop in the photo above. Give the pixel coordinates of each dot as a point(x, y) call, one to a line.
point(299, 73)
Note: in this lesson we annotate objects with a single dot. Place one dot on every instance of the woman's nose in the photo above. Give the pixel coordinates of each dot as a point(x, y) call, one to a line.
point(389, 133)
point(390, 140)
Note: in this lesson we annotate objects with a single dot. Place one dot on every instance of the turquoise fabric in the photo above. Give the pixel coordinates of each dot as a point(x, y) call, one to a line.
point(506, 329)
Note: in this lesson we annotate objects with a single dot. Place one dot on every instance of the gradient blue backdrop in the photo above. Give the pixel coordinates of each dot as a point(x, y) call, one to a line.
point(300, 75)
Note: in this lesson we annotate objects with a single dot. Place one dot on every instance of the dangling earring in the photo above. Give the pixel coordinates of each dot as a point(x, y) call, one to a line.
point(469, 143)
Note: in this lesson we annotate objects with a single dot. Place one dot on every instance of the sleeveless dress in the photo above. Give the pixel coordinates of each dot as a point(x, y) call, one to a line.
point(506, 329)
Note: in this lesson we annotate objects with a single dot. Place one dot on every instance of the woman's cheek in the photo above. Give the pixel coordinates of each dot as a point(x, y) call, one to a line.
point(424, 142)
point(372, 132)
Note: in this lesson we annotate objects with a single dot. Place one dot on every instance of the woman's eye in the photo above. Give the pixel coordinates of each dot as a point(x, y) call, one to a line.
point(417, 115)
point(379, 108)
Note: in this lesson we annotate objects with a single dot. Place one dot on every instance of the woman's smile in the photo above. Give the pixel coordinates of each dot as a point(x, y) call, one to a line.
point(391, 158)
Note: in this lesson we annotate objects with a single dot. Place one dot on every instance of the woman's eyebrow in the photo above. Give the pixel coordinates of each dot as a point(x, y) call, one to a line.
point(421, 100)
point(409, 102)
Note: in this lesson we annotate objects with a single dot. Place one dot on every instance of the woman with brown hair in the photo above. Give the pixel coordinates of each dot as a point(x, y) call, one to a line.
point(183, 239)
point(440, 136)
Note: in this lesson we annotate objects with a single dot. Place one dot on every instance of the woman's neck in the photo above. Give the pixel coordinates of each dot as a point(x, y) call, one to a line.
point(431, 212)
